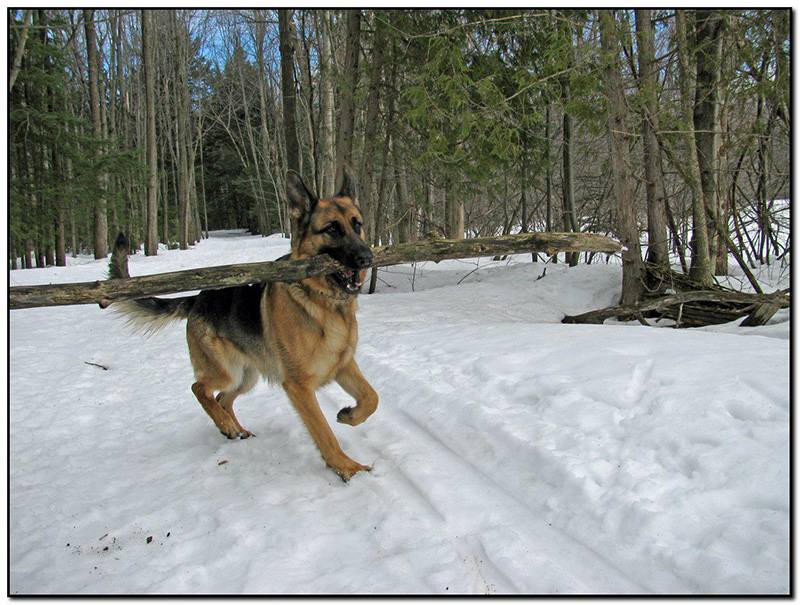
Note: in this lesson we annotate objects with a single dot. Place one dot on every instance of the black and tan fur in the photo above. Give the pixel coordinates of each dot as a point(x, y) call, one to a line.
point(301, 335)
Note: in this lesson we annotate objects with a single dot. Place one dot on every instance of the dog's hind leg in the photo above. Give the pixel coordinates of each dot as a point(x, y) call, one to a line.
point(207, 354)
point(226, 399)
point(353, 382)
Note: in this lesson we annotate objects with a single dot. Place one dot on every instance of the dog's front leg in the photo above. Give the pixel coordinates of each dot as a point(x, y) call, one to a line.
point(353, 382)
point(306, 404)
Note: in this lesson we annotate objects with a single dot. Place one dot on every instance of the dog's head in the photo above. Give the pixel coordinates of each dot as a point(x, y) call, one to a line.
point(330, 226)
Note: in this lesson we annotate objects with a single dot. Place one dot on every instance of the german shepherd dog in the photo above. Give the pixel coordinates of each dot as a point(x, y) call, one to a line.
point(302, 335)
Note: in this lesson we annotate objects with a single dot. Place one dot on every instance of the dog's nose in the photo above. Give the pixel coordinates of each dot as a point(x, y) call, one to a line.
point(364, 258)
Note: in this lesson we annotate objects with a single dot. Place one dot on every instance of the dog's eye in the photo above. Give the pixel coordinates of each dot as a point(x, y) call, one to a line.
point(357, 224)
point(332, 229)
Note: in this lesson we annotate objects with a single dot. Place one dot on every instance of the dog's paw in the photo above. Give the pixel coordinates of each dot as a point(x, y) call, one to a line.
point(345, 416)
point(236, 434)
point(347, 471)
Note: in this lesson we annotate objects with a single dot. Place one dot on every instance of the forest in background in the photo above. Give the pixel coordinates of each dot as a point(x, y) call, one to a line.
point(661, 127)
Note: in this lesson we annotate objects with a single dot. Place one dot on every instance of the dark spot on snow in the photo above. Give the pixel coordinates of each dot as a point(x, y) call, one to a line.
point(149, 539)
point(167, 534)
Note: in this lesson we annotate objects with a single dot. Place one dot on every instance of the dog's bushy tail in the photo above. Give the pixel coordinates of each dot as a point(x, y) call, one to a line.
point(144, 314)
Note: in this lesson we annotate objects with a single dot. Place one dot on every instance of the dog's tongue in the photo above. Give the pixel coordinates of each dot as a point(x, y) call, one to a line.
point(352, 282)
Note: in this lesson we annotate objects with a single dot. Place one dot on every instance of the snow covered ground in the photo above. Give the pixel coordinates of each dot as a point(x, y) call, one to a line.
point(511, 454)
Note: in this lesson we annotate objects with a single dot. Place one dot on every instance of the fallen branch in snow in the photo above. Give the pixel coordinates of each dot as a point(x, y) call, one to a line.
point(694, 308)
point(106, 292)
point(105, 368)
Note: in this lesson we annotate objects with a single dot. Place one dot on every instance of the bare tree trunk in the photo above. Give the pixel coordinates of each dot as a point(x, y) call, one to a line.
point(405, 204)
point(347, 114)
point(182, 178)
point(708, 31)
point(373, 278)
point(523, 178)
point(633, 272)
point(306, 96)
point(148, 62)
point(100, 219)
point(700, 270)
point(453, 211)
point(60, 249)
point(722, 171)
point(19, 50)
point(327, 176)
point(57, 168)
point(549, 172)
point(267, 143)
point(568, 182)
point(368, 165)
point(288, 89)
point(165, 206)
point(657, 249)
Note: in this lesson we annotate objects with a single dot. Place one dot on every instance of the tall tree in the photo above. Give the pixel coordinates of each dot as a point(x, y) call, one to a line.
point(19, 49)
point(180, 120)
point(568, 179)
point(369, 164)
point(709, 29)
point(657, 248)
point(700, 269)
point(92, 59)
point(149, 67)
point(327, 159)
point(347, 112)
point(621, 167)
point(288, 89)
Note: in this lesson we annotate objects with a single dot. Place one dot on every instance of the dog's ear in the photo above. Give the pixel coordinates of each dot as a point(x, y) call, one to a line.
point(301, 200)
point(349, 187)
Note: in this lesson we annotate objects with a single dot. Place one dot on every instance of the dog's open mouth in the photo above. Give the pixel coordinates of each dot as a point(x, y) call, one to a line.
point(348, 280)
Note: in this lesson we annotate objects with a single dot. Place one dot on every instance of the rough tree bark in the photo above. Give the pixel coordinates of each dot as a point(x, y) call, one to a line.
point(288, 90)
point(633, 271)
point(181, 92)
point(709, 28)
point(148, 63)
point(700, 269)
point(368, 165)
point(694, 308)
point(327, 163)
point(657, 249)
point(347, 114)
point(568, 181)
point(19, 50)
point(100, 220)
point(106, 292)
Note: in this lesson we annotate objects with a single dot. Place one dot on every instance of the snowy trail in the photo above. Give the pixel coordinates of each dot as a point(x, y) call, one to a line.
point(571, 455)
point(511, 454)
point(439, 475)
